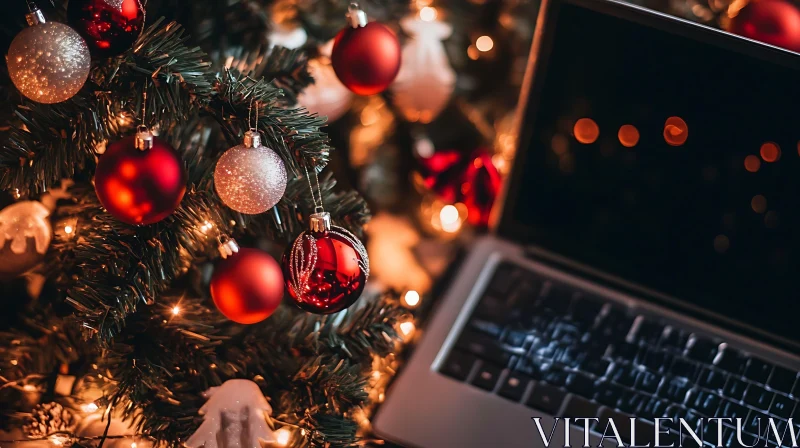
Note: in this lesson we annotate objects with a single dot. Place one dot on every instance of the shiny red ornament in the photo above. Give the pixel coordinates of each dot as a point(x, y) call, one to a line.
point(365, 56)
point(469, 178)
point(776, 22)
point(110, 27)
point(326, 268)
point(140, 186)
point(247, 286)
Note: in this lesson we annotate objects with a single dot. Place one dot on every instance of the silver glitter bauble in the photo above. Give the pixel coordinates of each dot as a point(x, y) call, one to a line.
point(48, 62)
point(250, 178)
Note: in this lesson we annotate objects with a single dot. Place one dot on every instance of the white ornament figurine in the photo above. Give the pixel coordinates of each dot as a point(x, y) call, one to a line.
point(20, 223)
point(235, 417)
point(426, 80)
point(286, 36)
point(327, 97)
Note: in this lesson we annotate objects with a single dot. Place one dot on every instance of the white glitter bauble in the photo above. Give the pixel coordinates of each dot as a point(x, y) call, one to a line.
point(250, 178)
point(25, 235)
point(48, 62)
point(426, 80)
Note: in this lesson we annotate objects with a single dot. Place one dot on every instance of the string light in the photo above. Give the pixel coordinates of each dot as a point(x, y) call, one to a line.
point(176, 310)
point(411, 298)
point(450, 219)
point(484, 44)
point(428, 14)
point(206, 226)
point(407, 328)
point(282, 437)
point(89, 407)
point(29, 388)
point(133, 445)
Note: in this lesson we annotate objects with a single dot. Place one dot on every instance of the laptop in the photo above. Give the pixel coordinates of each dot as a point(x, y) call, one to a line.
point(646, 259)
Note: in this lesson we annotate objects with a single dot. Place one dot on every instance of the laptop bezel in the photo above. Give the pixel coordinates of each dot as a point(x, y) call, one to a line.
point(507, 228)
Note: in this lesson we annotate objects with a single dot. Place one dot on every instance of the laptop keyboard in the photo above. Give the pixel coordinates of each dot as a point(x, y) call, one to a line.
point(571, 354)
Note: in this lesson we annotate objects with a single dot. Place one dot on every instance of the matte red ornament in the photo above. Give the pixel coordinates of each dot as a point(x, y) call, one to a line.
point(140, 179)
point(247, 286)
point(776, 22)
point(326, 268)
point(470, 178)
point(110, 27)
point(365, 56)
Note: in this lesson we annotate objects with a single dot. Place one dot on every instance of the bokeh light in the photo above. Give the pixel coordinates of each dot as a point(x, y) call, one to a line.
point(721, 244)
point(770, 152)
point(427, 14)
point(759, 203)
point(752, 163)
point(484, 44)
point(586, 131)
point(676, 131)
point(628, 135)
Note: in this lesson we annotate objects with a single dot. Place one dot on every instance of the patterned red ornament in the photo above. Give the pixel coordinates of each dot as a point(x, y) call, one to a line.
point(365, 56)
point(140, 179)
point(110, 27)
point(776, 22)
point(247, 285)
point(468, 178)
point(326, 268)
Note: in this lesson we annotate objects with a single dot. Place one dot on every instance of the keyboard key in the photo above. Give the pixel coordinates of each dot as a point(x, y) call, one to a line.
point(782, 379)
point(621, 421)
point(624, 374)
point(674, 338)
point(458, 365)
point(489, 328)
point(756, 422)
point(674, 389)
point(514, 386)
point(529, 367)
point(683, 368)
point(653, 407)
point(625, 351)
point(632, 402)
point(711, 379)
point(782, 406)
point(554, 375)
point(703, 402)
point(515, 338)
point(648, 382)
point(579, 407)
point(484, 347)
point(729, 409)
point(645, 434)
point(491, 308)
point(656, 360)
point(487, 377)
point(729, 359)
point(757, 370)
point(701, 349)
point(758, 397)
point(645, 331)
point(607, 393)
point(546, 398)
point(580, 384)
point(734, 388)
point(594, 365)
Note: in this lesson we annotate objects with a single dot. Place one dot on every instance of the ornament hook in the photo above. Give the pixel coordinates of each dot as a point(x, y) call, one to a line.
point(357, 16)
point(227, 246)
point(35, 16)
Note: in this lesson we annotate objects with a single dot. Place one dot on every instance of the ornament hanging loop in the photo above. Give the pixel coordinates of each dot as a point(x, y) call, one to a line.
point(144, 138)
point(35, 17)
point(319, 222)
point(357, 16)
point(252, 139)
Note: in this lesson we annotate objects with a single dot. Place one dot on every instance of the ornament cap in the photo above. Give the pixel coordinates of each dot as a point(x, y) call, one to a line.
point(252, 139)
point(357, 16)
point(320, 222)
point(227, 247)
point(144, 138)
point(35, 17)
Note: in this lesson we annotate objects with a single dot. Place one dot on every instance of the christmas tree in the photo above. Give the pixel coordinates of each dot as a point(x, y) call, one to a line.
point(121, 208)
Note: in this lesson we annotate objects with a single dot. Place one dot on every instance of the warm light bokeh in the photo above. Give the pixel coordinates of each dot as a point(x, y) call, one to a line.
point(770, 152)
point(586, 131)
point(628, 135)
point(676, 131)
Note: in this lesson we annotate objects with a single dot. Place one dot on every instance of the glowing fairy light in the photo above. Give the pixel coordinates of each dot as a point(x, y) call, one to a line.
point(484, 44)
point(450, 219)
point(407, 328)
point(411, 298)
point(176, 310)
point(428, 14)
point(89, 407)
point(282, 437)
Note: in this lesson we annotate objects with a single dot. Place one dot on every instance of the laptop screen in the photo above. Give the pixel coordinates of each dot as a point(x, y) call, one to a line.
point(668, 161)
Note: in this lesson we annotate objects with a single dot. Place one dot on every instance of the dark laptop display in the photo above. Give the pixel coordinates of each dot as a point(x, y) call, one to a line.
point(682, 177)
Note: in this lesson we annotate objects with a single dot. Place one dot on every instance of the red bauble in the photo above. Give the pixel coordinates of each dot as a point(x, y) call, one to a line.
point(776, 22)
point(247, 287)
point(140, 186)
point(326, 270)
point(470, 178)
point(367, 58)
point(110, 27)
